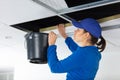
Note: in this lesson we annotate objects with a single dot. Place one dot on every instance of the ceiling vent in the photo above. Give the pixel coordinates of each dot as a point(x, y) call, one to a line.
point(72, 3)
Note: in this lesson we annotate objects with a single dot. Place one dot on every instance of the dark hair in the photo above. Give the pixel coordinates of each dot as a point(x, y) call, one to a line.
point(100, 43)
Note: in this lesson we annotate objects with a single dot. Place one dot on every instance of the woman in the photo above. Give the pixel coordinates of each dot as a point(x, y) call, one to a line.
point(86, 49)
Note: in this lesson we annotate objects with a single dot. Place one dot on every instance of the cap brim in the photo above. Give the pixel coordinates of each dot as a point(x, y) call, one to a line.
point(77, 24)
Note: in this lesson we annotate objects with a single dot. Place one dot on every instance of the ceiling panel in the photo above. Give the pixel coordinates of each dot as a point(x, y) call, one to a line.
point(97, 13)
point(72, 3)
point(56, 4)
point(19, 11)
point(29, 16)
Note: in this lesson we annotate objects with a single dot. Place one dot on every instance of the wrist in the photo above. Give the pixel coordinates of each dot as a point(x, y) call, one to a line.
point(51, 44)
point(64, 36)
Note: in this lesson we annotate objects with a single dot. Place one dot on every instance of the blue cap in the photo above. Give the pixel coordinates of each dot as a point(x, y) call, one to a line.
point(90, 25)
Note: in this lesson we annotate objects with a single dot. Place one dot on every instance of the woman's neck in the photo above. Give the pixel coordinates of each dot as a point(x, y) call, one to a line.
point(83, 44)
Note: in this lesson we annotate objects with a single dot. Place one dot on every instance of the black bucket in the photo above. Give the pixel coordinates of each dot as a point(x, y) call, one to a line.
point(37, 44)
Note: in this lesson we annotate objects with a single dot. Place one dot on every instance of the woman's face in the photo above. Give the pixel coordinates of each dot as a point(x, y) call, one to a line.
point(79, 35)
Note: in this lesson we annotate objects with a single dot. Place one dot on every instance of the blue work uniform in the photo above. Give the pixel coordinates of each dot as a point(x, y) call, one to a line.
point(82, 64)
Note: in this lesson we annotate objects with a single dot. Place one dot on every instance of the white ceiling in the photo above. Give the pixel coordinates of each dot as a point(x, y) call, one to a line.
point(18, 11)
point(56, 4)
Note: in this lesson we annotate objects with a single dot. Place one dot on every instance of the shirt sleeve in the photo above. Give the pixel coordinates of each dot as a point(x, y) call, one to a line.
point(68, 64)
point(71, 44)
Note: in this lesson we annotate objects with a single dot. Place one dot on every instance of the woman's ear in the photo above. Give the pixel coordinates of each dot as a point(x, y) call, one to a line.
point(87, 35)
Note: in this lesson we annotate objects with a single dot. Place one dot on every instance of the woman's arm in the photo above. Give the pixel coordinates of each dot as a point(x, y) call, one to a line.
point(70, 43)
point(68, 64)
point(65, 65)
point(61, 29)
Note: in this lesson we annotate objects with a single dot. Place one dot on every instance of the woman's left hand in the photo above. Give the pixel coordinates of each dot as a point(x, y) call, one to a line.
point(52, 38)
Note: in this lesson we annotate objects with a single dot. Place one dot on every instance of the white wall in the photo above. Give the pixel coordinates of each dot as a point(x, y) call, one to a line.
point(29, 71)
point(109, 65)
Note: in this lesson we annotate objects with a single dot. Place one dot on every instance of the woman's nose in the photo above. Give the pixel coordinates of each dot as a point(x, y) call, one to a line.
point(75, 30)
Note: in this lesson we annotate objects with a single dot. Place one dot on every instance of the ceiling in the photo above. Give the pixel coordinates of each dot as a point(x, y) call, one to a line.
point(26, 15)
point(30, 15)
point(19, 11)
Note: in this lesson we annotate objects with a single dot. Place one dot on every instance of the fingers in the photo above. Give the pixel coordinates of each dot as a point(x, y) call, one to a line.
point(52, 34)
point(61, 29)
point(61, 25)
point(52, 38)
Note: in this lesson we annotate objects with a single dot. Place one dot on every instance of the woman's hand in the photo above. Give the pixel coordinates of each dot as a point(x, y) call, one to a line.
point(52, 38)
point(61, 29)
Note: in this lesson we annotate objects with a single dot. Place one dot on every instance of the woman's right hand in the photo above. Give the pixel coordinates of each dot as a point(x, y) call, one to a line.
point(52, 38)
point(61, 29)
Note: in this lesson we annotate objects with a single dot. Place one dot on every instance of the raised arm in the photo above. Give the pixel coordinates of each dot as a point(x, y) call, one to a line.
point(61, 66)
point(61, 29)
point(70, 43)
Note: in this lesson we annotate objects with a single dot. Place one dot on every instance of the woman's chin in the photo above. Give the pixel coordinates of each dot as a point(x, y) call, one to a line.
point(75, 40)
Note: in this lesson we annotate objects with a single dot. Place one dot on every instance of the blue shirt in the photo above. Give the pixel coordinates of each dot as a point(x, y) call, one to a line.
point(82, 64)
